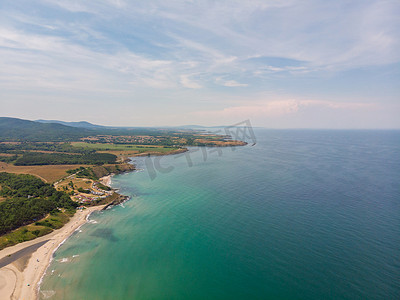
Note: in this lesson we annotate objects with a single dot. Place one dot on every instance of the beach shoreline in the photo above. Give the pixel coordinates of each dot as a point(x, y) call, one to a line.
point(106, 180)
point(21, 278)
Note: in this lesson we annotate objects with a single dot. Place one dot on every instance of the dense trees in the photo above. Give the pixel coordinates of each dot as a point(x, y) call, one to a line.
point(27, 199)
point(20, 148)
point(38, 158)
point(8, 159)
point(12, 129)
point(28, 153)
point(83, 172)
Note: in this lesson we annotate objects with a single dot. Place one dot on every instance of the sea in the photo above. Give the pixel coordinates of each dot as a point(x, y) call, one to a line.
point(295, 214)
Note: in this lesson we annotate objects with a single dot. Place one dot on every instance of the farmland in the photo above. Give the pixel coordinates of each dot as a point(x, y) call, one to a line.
point(123, 147)
point(49, 173)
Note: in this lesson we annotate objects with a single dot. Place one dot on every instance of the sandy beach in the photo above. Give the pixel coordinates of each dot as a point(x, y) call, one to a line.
point(22, 266)
point(106, 180)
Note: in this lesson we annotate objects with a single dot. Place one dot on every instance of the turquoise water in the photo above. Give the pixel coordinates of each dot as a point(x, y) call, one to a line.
point(300, 215)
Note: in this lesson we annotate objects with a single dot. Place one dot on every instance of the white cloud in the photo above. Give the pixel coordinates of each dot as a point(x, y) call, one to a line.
point(55, 62)
point(268, 109)
point(279, 108)
point(70, 5)
point(129, 48)
point(188, 83)
point(337, 105)
point(229, 83)
point(336, 35)
point(233, 83)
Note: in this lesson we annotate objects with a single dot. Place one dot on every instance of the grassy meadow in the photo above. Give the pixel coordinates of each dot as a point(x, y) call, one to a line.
point(124, 147)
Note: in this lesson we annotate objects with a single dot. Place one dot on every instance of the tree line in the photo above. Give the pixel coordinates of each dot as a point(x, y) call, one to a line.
point(37, 158)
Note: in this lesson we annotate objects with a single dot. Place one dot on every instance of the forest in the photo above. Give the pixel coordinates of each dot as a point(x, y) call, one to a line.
point(38, 158)
point(27, 199)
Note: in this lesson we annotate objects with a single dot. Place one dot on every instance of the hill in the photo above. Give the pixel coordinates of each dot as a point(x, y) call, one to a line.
point(81, 124)
point(13, 129)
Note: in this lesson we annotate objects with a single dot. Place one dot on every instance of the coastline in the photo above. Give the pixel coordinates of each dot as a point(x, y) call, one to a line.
point(106, 180)
point(21, 278)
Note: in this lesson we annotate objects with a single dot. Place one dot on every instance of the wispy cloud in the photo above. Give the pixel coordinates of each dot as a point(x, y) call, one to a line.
point(229, 83)
point(209, 35)
point(189, 83)
point(56, 58)
point(337, 105)
point(279, 108)
point(193, 49)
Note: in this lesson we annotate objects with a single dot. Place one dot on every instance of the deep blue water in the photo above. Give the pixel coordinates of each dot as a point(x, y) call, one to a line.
point(303, 214)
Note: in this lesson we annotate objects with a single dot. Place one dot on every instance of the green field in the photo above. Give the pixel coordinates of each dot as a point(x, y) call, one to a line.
point(123, 147)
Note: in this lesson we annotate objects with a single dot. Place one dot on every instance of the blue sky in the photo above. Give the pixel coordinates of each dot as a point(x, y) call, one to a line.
point(281, 64)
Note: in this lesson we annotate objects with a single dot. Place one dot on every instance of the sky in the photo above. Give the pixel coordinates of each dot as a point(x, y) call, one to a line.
point(280, 64)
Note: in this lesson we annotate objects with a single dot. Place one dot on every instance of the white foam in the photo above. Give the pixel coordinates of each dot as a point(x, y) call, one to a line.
point(52, 256)
point(48, 294)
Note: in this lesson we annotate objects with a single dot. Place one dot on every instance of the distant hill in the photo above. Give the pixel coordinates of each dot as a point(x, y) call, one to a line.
point(81, 124)
point(13, 129)
point(191, 127)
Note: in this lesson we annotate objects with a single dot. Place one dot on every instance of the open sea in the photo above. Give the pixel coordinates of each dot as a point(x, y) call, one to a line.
point(303, 214)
